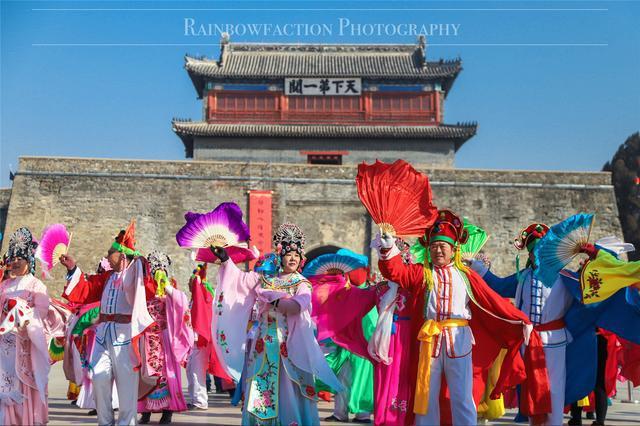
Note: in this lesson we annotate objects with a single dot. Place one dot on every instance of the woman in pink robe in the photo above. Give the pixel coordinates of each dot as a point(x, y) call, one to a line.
point(167, 344)
point(284, 356)
point(338, 312)
point(24, 355)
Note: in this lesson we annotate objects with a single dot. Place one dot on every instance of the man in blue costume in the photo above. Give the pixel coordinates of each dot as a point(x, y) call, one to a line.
point(566, 326)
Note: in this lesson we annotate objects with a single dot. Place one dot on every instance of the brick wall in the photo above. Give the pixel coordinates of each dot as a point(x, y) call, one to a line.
point(97, 197)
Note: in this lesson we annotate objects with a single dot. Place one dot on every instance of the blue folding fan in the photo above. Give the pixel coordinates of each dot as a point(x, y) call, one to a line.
point(342, 262)
point(560, 245)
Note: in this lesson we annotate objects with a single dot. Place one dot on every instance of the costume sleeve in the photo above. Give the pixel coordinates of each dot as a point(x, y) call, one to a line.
point(180, 331)
point(505, 287)
point(84, 289)
point(303, 296)
point(231, 278)
point(235, 297)
point(410, 277)
point(632, 295)
point(41, 300)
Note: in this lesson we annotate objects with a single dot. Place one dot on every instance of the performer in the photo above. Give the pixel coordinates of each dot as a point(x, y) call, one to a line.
point(24, 357)
point(545, 306)
point(198, 362)
point(567, 327)
point(338, 311)
point(122, 320)
point(167, 343)
point(459, 308)
point(285, 355)
point(79, 342)
point(354, 372)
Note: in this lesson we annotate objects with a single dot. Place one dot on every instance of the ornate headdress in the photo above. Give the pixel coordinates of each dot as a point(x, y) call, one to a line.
point(125, 241)
point(530, 236)
point(289, 237)
point(158, 261)
point(448, 227)
point(22, 245)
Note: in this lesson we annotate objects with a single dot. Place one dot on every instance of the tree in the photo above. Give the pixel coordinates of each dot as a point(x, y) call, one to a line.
point(625, 177)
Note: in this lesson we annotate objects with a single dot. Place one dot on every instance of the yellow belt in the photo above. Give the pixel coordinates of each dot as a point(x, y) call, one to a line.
point(429, 329)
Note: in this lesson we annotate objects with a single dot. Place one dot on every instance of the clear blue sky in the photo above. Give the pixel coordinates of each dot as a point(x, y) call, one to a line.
point(556, 88)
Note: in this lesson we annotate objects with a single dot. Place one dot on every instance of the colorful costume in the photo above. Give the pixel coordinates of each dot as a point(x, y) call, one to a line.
point(567, 328)
point(285, 356)
point(338, 310)
point(200, 358)
point(354, 372)
point(24, 356)
point(460, 310)
point(167, 343)
point(121, 323)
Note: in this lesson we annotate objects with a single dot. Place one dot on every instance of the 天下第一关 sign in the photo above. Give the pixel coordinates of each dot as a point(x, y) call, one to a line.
point(323, 86)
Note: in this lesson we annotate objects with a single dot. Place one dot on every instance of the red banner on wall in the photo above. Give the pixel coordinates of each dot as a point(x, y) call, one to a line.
point(260, 220)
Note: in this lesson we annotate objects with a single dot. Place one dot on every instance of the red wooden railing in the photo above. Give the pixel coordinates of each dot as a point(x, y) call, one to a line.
point(370, 108)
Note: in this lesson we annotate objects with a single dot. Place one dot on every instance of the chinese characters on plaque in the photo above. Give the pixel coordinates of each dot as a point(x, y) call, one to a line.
point(260, 220)
point(323, 86)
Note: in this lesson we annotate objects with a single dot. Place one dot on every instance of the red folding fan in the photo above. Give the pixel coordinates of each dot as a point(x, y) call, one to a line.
point(397, 197)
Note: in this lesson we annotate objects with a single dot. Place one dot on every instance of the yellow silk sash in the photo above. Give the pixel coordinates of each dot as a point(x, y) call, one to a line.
point(429, 330)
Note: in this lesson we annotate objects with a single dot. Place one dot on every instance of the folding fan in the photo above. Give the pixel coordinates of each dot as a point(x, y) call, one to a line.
point(237, 254)
point(560, 245)
point(477, 239)
point(342, 262)
point(54, 242)
point(221, 227)
point(397, 197)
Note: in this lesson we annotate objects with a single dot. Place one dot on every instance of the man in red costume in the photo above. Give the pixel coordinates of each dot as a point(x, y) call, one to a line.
point(459, 311)
point(123, 318)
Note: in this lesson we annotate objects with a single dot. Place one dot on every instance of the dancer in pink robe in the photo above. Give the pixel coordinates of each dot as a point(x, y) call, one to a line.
point(285, 356)
point(167, 344)
point(24, 355)
point(338, 311)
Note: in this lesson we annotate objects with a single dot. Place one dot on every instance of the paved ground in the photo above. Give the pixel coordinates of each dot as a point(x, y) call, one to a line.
point(221, 412)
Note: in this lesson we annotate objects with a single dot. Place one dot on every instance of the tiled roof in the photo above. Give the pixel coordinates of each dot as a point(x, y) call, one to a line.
point(460, 132)
point(268, 61)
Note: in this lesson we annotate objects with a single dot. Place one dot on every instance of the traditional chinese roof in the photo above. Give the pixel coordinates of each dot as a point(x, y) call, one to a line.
point(259, 61)
point(187, 130)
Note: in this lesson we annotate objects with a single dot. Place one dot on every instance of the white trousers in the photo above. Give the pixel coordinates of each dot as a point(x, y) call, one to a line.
point(197, 377)
point(114, 364)
point(341, 406)
point(556, 368)
point(459, 375)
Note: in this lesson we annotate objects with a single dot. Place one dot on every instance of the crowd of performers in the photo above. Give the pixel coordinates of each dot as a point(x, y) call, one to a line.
point(440, 341)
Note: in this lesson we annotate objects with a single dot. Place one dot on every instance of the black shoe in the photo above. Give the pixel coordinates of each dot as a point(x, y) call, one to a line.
point(333, 418)
point(92, 413)
point(575, 421)
point(590, 415)
point(597, 423)
point(145, 418)
point(166, 417)
point(74, 402)
point(357, 420)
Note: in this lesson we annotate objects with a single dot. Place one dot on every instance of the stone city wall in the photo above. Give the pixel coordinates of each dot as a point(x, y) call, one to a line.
point(96, 198)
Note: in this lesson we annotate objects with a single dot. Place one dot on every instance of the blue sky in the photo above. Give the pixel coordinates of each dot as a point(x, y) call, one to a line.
point(553, 85)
